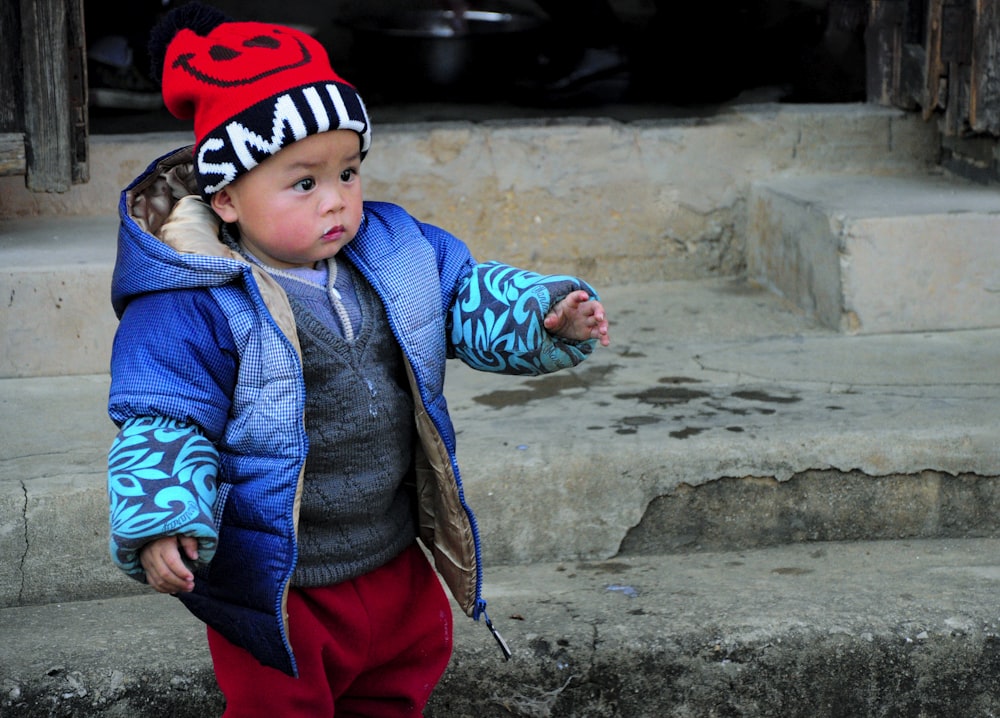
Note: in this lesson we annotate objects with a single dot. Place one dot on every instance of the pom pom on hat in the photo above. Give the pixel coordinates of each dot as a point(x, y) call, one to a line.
point(251, 88)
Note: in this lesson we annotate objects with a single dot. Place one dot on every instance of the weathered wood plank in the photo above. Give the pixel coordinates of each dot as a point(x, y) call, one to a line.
point(984, 94)
point(47, 110)
point(78, 93)
point(882, 46)
point(10, 68)
point(12, 160)
point(936, 71)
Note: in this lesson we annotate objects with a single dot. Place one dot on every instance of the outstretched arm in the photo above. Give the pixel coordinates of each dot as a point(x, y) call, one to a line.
point(498, 320)
point(578, 317)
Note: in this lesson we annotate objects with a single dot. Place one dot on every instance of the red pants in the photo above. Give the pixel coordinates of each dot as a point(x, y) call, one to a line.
point(372, 647)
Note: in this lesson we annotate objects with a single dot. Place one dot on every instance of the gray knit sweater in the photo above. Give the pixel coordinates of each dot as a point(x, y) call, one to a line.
point(357, 505)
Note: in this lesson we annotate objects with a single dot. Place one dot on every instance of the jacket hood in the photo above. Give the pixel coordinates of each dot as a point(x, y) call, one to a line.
point(168, 237)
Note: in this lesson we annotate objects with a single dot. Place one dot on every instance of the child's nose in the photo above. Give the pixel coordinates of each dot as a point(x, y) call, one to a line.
point(332, 201)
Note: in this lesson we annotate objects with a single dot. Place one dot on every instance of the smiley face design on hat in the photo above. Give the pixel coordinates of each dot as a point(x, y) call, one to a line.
point(224, 62)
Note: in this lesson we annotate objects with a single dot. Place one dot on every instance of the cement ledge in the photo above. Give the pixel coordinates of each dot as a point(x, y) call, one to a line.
point(817, 629)
point(706, 383)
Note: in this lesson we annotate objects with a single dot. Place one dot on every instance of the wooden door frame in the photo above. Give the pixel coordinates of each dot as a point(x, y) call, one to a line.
point(940, 57)
point(44, 130)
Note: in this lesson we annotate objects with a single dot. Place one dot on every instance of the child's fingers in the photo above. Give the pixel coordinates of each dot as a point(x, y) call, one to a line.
point(176, 576)
point(165, 571)
point(189, 545)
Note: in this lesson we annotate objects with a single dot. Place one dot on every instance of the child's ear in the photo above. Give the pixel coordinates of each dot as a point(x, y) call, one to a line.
point(222, 203)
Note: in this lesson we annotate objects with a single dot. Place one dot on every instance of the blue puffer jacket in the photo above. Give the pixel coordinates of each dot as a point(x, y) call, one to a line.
point(207, 353)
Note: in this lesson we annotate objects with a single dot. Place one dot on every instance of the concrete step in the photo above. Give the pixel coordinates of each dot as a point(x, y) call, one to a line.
point(817, 630)
point(862, 255)
point(868, 254)
point(720, 418)
point(704, 519)
point(615, 202)
point(56, 285)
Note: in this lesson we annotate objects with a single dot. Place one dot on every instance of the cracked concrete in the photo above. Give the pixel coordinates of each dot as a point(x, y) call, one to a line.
point(13, 541)
point(609, 497)
point(806, 630)
point(715, 400)
point(24, 554)
point(709, 381)
point(752, 512)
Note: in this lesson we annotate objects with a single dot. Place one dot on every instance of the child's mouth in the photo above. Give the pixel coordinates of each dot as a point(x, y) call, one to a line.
point(334, 233)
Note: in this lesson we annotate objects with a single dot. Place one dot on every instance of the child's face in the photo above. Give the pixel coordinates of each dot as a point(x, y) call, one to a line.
point(300, 205)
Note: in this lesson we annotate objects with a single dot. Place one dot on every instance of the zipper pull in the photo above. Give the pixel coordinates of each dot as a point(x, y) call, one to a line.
point(496, 634)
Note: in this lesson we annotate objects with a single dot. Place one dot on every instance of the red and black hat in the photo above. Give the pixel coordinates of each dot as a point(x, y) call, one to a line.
point(251, 88)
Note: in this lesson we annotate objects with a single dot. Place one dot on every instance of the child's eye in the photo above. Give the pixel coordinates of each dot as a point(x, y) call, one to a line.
point(348, 174)
point(304, 185)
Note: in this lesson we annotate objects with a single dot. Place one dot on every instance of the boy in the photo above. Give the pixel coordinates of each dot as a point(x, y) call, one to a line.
point(277, 377)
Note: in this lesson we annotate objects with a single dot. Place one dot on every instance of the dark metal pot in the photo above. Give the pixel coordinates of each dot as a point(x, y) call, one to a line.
point(410, 53)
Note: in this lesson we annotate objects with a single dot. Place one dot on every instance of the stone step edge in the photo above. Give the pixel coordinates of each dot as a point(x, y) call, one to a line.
point(873, 628)
point(879, 254)
point(68, 523)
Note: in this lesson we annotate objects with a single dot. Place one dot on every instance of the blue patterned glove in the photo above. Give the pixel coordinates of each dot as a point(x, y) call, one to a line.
point(161, 482)
point(497, 321)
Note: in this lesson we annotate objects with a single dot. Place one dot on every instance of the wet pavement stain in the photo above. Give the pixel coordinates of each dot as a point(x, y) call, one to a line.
point(628, 353)
point(546, 387)
point(738, 411)
point(665, 395)
point(764, 396)
point(699, 406)
point(742, 410)
point(631, 424)
point(687, 431)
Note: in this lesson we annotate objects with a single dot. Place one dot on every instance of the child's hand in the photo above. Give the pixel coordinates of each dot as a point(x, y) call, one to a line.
point(165, 569)
point(578, 317)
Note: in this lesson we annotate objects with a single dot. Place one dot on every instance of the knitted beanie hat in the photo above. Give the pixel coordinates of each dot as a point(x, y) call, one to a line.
point(251, 88)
